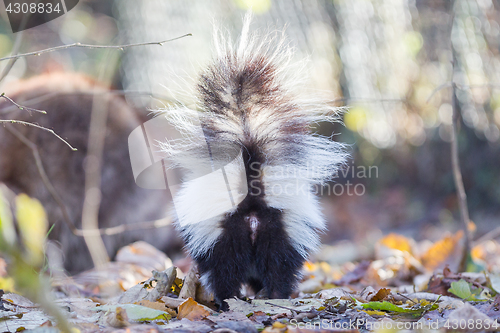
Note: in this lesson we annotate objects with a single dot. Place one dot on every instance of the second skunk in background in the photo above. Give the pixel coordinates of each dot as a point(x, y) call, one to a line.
point(249, 97)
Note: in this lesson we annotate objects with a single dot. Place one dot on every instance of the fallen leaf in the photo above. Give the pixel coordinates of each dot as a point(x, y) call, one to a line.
point(381, 294)
point(118, 319)
point(396, 242)
point(388, 306)
point(374, 312)
point(495, 282)
point(153, 305)
point(468, 314)
point(137, 312)
point(447, 251)
point(191, 310)
point(464, 290)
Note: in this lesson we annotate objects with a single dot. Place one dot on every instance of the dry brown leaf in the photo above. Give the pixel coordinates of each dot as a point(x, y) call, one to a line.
point(190, 283)
point(381, 294)
point(191, 310)
point(170, 302)
point(118, 319)
point(152, 305)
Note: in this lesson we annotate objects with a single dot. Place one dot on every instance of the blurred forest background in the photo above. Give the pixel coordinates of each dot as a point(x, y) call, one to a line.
point(389, 61)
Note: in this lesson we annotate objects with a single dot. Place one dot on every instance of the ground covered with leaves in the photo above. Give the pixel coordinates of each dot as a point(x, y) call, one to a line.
point(406, 286)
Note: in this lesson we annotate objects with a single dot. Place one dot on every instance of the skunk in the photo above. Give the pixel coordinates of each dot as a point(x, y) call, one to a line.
point(248, 101)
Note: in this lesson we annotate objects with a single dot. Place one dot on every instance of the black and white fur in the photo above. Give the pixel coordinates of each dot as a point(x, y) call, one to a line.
point(250, 98)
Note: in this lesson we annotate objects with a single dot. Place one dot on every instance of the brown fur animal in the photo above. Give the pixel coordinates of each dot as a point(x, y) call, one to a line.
point(68, 98)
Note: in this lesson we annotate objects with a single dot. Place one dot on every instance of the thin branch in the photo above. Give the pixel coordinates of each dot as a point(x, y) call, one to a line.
point(40, 127)
point(435, 91)
point(21, 107)
point(45, 179)
point(367, 100)
point(89, 46)
point(461, 87)
point(486, 85)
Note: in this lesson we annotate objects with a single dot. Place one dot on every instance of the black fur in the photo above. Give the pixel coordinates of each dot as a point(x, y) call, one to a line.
point(268, 261)
point(271, 262)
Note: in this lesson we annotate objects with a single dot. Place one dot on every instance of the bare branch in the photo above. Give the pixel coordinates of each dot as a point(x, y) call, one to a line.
point(12, 121)
point(89, 46)
point(435, 91)
point(20, 107)
point(367, 100)
point(473, 86)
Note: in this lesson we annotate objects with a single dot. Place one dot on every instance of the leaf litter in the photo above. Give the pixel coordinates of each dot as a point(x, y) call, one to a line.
point(401, 284)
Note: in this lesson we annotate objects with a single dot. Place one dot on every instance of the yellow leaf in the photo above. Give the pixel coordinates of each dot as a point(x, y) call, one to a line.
point(397, 242)
point(309, 266)
point(374, 312)
point(325, 267)
point(443, 252)
point(277, 324)
point(33, 225)
point(7, 283)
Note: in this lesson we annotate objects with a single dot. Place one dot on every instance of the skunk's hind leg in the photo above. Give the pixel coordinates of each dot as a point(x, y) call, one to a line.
point(278, 263)
point(225, 268)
